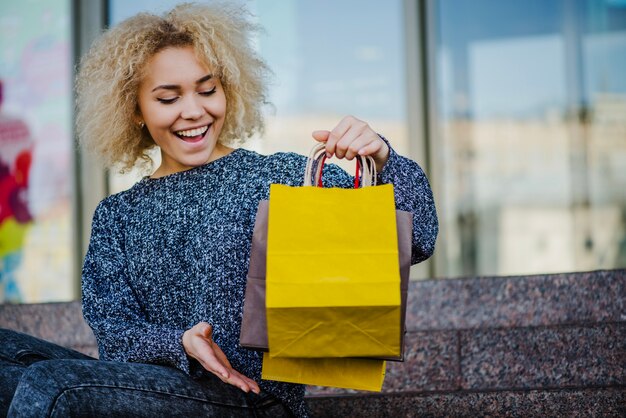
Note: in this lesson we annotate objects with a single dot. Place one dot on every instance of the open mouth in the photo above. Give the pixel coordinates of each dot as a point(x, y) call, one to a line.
point(193, 135)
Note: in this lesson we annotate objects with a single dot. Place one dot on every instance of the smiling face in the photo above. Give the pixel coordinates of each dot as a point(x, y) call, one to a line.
point(183, 106)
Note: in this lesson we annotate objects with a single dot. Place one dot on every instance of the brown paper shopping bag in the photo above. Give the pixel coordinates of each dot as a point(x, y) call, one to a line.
point(345, 322)
point(254, 324)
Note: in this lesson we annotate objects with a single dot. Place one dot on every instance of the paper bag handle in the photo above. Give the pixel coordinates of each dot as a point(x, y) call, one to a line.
point(365, 166)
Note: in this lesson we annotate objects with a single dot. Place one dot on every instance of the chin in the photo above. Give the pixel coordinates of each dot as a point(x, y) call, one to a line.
point(198, 160)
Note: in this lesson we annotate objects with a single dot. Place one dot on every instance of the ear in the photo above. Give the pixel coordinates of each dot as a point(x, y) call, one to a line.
point(138, 118)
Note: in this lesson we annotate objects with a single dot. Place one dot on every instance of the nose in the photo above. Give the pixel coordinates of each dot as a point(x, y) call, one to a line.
point(192, 108)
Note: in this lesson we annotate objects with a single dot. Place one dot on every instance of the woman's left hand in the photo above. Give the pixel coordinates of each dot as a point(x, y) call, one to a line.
point(198, 343)
point(352, 137)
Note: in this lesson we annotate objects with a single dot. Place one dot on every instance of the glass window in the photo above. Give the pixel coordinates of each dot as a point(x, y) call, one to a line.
point(330, 59)
point(36, 257)
point(529, 135)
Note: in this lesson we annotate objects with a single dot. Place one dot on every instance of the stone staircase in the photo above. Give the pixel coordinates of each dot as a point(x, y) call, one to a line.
point(544, 345)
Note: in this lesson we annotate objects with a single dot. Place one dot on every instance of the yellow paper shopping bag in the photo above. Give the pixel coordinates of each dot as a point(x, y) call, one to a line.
point(350, 373)
point(333, 281)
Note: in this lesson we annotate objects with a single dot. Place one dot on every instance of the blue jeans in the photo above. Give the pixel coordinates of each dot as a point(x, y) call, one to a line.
point(41, 379)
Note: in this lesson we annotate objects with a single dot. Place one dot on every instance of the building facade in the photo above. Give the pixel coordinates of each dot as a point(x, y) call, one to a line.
point(516, 110)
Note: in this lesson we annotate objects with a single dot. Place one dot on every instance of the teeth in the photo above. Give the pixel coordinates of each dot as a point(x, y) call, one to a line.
point(193, 132)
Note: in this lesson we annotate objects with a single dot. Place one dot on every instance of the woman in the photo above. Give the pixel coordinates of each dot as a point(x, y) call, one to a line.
point(164, 276)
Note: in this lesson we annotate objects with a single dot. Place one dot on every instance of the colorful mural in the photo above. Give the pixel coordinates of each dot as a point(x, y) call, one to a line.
point(15, 216)
point(36, 148)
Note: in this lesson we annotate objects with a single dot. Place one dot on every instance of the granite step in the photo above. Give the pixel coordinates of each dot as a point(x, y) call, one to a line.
point(542, 345)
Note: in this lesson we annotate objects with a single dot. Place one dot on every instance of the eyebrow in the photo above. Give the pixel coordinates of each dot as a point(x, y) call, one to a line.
point(177, 87)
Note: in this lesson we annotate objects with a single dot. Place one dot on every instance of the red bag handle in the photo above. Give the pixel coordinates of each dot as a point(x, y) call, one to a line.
point(365, 166)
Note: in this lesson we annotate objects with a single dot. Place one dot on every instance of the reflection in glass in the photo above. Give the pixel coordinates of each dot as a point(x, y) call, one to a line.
point(530, 135)
point(330, 59)
point(35, 152)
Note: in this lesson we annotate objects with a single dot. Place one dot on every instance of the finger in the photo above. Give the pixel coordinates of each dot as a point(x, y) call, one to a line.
point(371, 149)
point(350, 144)
point(236, 379)
point(242, 382)
point(336, 134)
point(206, 330)
point(233, 378)
point(221, 356)
point(253, 385)
point(356, 129)
point(245, 383)
point(210, 354)
point(378, 150)
point(211, 362)
point(321, 135)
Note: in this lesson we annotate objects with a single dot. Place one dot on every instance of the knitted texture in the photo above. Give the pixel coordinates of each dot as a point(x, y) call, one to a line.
point(174, 251)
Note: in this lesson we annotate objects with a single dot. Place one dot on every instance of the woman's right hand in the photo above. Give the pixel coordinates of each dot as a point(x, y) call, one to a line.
point(198, 343)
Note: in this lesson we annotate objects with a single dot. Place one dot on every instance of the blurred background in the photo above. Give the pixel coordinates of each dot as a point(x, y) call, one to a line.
point(515, 109)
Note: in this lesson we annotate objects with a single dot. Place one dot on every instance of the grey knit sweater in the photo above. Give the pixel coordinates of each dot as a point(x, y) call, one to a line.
point(174, 251)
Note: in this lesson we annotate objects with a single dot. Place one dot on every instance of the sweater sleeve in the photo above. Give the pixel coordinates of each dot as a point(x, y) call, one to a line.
point(110, 306)
point(413, 194)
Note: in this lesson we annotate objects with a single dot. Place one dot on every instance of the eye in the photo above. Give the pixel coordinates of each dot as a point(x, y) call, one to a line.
point(208, 92)
point(167, 101)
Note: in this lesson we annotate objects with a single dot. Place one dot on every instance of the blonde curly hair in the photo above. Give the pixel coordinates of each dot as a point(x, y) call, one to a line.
point(109, 76)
